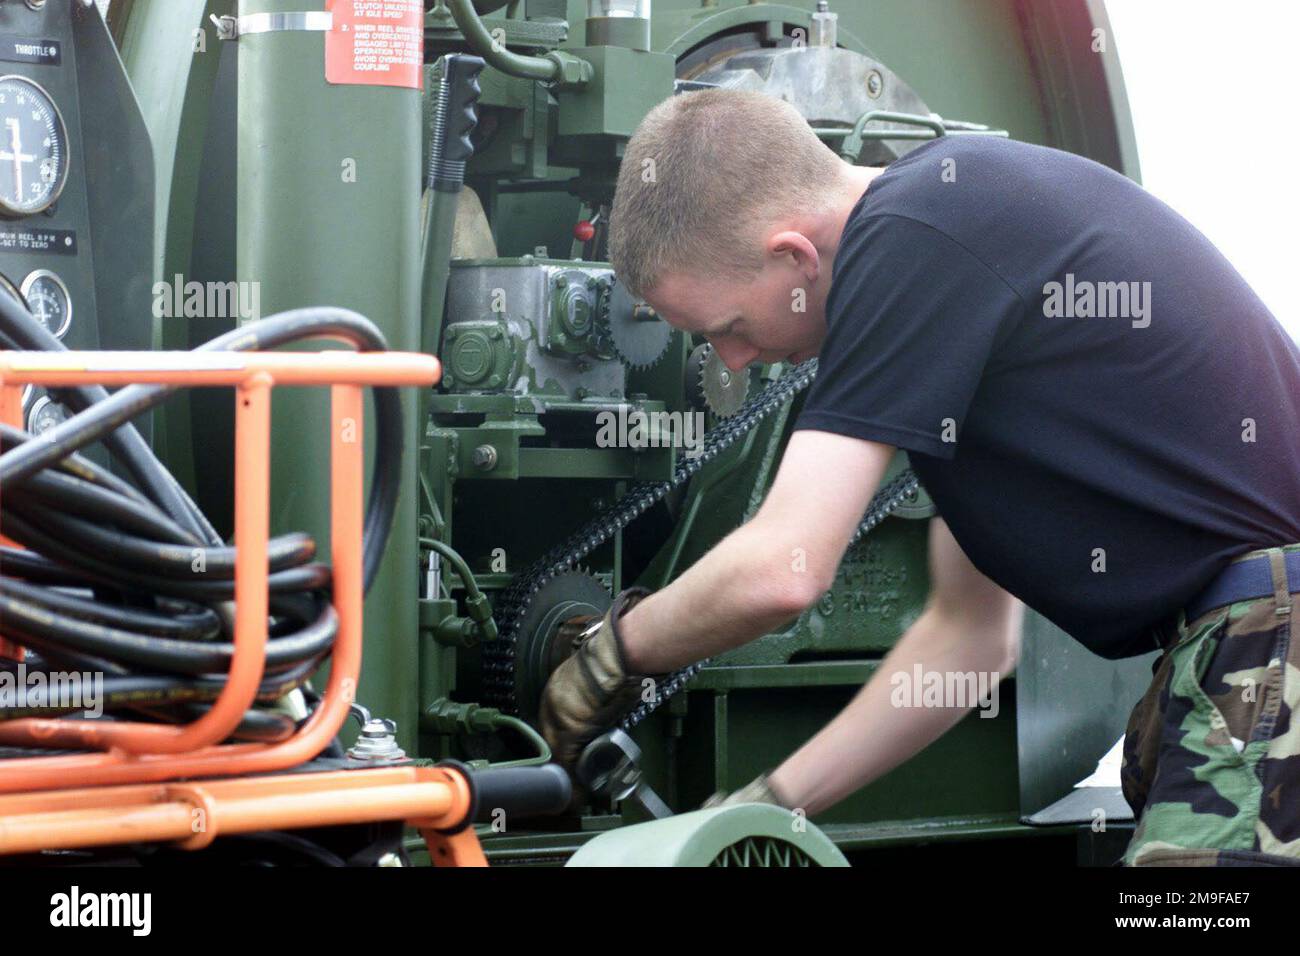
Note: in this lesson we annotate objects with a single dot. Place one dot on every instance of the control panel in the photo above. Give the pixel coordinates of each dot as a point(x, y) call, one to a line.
point(76, 184)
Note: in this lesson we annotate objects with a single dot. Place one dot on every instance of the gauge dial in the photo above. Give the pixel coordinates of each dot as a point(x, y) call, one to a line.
point(44, 415)
point(49, 302)
point(33, 148)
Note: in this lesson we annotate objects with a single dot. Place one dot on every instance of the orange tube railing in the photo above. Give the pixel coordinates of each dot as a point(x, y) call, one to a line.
point(136, 752)
point(193, 814)
point(120, 796)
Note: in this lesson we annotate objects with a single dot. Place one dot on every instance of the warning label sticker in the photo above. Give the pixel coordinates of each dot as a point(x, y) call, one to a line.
point(376, 43)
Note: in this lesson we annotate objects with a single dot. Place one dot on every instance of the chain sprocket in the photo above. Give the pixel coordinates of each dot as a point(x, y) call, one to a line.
point(711, 385)
point(628, 328)
point(499, 656)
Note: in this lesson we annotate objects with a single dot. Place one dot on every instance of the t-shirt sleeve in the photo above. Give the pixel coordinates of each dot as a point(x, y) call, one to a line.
point(913, 319)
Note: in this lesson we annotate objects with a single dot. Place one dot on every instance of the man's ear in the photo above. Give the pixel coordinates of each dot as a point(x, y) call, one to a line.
point(790, 243)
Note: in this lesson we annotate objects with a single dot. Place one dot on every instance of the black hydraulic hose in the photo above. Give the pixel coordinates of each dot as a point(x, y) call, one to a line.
point(113, 412)
point(177, 561)
point(19, 330)
point(72, 496)
point(128, 579)
point(152, 693)
point(198, 624)
point(108, 573)
point(174, 656)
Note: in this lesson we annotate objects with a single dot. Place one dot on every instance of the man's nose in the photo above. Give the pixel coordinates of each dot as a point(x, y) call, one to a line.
point(735, 358)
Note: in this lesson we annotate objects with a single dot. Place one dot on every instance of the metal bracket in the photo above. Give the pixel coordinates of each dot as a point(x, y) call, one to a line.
point(232, 28)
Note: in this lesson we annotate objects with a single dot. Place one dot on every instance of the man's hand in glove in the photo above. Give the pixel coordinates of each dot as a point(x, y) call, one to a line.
point(759, 790)
point(592, 690)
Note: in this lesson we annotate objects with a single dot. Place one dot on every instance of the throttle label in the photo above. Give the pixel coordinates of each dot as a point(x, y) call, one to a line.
point(376, 43)
point(18, 49)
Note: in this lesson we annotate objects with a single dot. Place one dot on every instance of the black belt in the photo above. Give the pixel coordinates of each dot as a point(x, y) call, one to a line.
point(1242, 581)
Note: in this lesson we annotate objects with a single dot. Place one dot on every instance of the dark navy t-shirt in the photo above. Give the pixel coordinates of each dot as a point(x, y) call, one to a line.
point(1102, 410)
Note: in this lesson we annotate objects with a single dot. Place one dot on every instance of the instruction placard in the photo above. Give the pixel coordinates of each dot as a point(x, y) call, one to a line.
point(376, 43)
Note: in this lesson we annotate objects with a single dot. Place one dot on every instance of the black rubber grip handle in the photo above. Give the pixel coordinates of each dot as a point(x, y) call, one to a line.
point(462, 101)
point(453, 120)
point(521, 792)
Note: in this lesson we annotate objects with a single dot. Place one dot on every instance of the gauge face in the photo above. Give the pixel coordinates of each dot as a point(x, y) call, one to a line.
point(33, 148)
point(44, 415)
point(48, 300)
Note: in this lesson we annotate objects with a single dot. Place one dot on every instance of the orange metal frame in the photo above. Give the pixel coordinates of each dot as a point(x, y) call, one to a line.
point(120, 795)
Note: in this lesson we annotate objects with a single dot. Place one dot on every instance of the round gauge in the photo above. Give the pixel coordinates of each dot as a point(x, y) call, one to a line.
point(45, 414)
point(33, 148)
point(48, 301)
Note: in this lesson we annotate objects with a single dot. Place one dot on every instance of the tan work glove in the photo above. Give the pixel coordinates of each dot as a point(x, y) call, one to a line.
point(758, 790)
point(591, 690)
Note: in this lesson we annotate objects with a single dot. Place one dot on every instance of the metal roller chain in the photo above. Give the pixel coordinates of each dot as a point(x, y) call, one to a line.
point(499, 655)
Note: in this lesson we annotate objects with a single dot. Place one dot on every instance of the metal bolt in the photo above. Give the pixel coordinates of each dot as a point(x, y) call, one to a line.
point(227, 27)
point(485, 457)
point(377, 741)
point(875, 83)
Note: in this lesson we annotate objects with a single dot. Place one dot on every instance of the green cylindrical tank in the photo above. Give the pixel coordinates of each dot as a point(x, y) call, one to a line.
point(328, 213)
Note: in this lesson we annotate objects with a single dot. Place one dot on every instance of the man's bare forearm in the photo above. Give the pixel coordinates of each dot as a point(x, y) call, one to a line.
point(871, 735)
point(738, 591)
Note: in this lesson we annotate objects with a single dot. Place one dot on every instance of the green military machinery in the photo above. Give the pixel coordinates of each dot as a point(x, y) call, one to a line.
point(466, 215)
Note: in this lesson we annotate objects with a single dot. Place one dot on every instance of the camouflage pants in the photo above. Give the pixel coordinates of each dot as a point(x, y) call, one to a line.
point(1211, 756)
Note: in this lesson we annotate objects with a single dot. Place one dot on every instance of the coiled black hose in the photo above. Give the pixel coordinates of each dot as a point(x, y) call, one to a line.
point(127, 578)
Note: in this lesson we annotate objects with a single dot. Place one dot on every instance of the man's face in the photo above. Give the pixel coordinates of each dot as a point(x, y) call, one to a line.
point(774, 315)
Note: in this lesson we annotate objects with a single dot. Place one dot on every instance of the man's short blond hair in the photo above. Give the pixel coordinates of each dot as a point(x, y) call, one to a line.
point(703, 175)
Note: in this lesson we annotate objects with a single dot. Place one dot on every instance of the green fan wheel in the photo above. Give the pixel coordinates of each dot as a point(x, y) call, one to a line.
point(748, 834)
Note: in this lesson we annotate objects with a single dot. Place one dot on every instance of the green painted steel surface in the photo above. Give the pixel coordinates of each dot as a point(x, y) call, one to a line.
point(328, 194)
point(171, 55)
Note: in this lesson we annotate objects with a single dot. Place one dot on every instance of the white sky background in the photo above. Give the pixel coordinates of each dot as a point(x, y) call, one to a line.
point(1195, 66)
